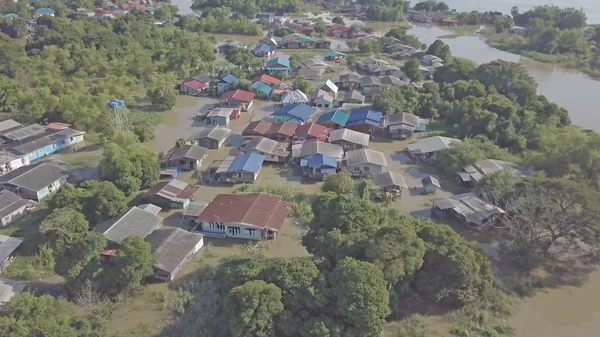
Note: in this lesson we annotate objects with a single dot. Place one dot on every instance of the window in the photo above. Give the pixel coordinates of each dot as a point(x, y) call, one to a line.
point(233, 230)
point(249, 231)
point(356, 168)
point(367, 168)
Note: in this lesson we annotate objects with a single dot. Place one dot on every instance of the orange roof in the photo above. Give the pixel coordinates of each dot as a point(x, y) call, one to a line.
point(313, 130)
point(240, 95)
point(58, 126)
point(257, 128)
point(266, 79)
point(283, 128)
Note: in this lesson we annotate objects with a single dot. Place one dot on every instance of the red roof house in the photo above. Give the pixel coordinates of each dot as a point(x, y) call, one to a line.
point(237, 98)
point(193, 87)
point(282, 131)
point(257, 129)
point(172, 193)
point(266, 79)
point(58, 126)
point(311, 131)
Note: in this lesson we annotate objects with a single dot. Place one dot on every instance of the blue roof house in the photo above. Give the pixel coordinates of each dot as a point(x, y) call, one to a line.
point(279, 66)
point(294, 113)
point(10, 16)
point(365, 119)
point(226, 83)
point(318, 166)
point(263, 50)
point(262, 89)
point(243, 168)
point(44, 11)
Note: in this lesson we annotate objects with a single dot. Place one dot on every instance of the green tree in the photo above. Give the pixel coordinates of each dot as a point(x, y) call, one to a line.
point(240, 57)
point(441, 50)
point(341, 183)
point(468, 152)
point(396, 32)
point(180, 142)
point(338, 20)
point(302, 84)
point(412, 69)
point(367, 46)
point(352, 44)
point(135, 263)
point(103, 201)
point(252, 308)
point(509, 78)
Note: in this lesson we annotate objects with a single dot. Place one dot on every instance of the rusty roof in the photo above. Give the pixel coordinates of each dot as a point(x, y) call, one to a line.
point(257, 128)
point(283, 128)
point(314, 130)
point(259, 210)
point(174, 190)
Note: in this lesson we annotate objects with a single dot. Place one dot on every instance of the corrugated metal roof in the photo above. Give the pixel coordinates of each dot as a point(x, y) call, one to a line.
point(174, 190)
point(391, 179)
point(431, 144)
point(350, 136)
point(468, 206)
point(170, 247)
point(365, 156)
point(8, 244)
point(318, 147)
point(336, 116)
point(247, 162)
point(136, 222)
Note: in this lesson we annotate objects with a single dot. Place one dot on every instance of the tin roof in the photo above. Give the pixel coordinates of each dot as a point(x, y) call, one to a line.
point(365, 156)
point(248, 162)
point(257, 128)
point(313, 130)
point(174, 190)
point(350, 136)
point(240, 95)
point(283, 128)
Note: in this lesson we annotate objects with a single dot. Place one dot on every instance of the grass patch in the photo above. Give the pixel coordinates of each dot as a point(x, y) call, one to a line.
point(82, 161)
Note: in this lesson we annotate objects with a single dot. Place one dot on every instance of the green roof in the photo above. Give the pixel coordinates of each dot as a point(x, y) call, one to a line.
point(307, 39)
point(336, 116)
point(332, 53)
point(262, 88)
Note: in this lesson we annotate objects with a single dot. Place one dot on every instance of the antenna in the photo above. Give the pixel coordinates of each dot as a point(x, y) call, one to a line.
point(119, 119)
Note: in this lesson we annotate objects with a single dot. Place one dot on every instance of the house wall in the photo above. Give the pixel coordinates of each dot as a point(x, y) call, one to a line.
point(178, 205)
point(233, 230)
point(365, 169)
point(219, 120)
point(209, 143)
point(222, 87)
point(48, 190)
point(54, 147)
point(237, 177)
point(14, 216)
point(272, 158)
point(348, 146)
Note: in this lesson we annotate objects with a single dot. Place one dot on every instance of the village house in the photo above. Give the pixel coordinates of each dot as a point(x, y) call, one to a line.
point(44, 12)
point(256, 129)
point(210, 138)
point(253, 216)
point(321, 99)
point(222, 116)
point(421, 18)
point(474, 173)
point(8, 247)
point(263, 50)
point(467, 208)
point(365, 162)
point(224, 48)
point(226, 83)
point(38, 141)
point(262, 89)
point(9, 125)
point(351, 97)
point(273, 151)
point(335, 56)
point(294, 113)
point(369, 85)
point(135, 222)
point(311, 131)
point(425, 73)
point(392, 81)
point(243, 168)
point(265, 16)
point(193, 87)
point(186, 158)
point(366, 120)
point(370, 64)
point(237, 98)
point(309, 149)
point(318, 166)
point(279, 66)
point(399, 48)
point(172, 248)
point(328, 86)
point(334, 119)
point(449, 22)
point(266, 79)
point(318, 64)
point(430, 184)
point(339, 31)
point(430, 60)
point(294, 97)
point(391, 182)
point(402, 125)
point(172, 193)
point(10, 161)
point(12, 207)
point(348, 81)
point(428, 148)
point(349, 139)
point(37, 181)
point(282, 131)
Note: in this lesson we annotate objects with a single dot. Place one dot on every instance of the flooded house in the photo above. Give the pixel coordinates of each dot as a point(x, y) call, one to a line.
point(226, 83)
point(267, 79)
point(365, 162)
point(349, 139)
point(136, 221)
point(240, 99)
point(263, 50)
point(399, 48)
point(279, 66)
point(430, 60)
point(172, 193)
point(403, 125)
point(186, 158)
point(314, 148)
point(193, 87)
point(467, 208)
point(273, 151)
point(252, 216)
point(430, 184)
point(282, 131)
point(37, 181)
point(257, 129)
point(38, 141)
point(8, 248)
point(328, 86)
point(369, 85)
point(10, 161)
point(365, 119)
point(318, 166)
point(294, 113)
point(428, 148)
point(335, 56)
point(311, 74)
point(294, 97)
point(172, 248)
point(262, 90)
point(334, 119)
point(12, 207)
point(222, 116)
point(471, 174)
point(391, 182)
point(243, 168)
point(392, 81)
point(210, 138)
point(321, 99)
point(311, 131)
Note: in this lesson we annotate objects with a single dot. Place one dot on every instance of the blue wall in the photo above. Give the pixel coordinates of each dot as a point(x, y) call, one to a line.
point(45, 151)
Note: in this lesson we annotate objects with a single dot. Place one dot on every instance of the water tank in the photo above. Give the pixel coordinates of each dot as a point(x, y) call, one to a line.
point(116, 104)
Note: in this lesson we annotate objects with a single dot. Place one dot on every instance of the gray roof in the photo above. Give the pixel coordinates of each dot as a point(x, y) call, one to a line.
point(328, 85)
point(195, 208)
point(482, 168)
point(170, 247)
point(365, 156)
point(393, 81)
point(391, 179)
point(311, 72)
point(189, 152)
point(367, 81)
point(212, 133)
point(349, 77)
point(354, 94)
point(39, 141)
point(266, 145)
point(8, 289)
point(25, 132)
point(35, 177)
point(8, 245)
point(467, 205)
point(431, 144)
point(136, 222)
point(151, 208)
point(10, 202)
point(402, 118)
point(350, 136)
point(313, 148)
point(6, 157)
point(220, 112)
point(9, 124)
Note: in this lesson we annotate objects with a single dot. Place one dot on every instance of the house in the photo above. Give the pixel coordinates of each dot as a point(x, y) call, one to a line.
point(263, 50)
point(12, 207)
point(321, 99)
point(282, 131)
point(339, 31)
point(254, 216)
point(399, 74)
point(430, 184)
point(421, 18)
point(35, 182)
point(36, 141)
point(294, 97)
point(265, 16)
point(449, 22)
point(237, 98)
point(333, 119)
point(335, 56)
point(257, 129)
point(369, 85)
point(272, 151)
point(222, 116)
point(310, 149)
point(403, 125)
point(103, 13)
point(328, 86)
point(224, 48)
point(294, 113)
point(135, 222)
point(243, 168)
point(210, 138)
point(429, 60)
point(311, 74)
point(226, 83)
point(427, 148)
point(44, 12)
point(9, 125)
point(172, 248)
point(185, 158)
point(172, 193)
point(365, 162)
point(193, 87)
point(399, 48)
point(278, 65)
point(10, 161)
point(391, 182)
point(262, 89)
point(352, 97)
point(474, 173)
point(349, 139)
point(382, 70)
point(348, 81)
point(318, 166)
point(371, 65)
point(518, 30)
point(9, 288)
point(392, 81)
point(426, 73)
point(266, 79)
point(8, 246)
point(466, 207)
point(311, 131)
point(365, 119)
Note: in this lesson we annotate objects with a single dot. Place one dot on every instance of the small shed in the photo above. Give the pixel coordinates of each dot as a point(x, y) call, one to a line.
point(222, 116)
point(391, 182)
point(430, 184)
point(210, 138)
